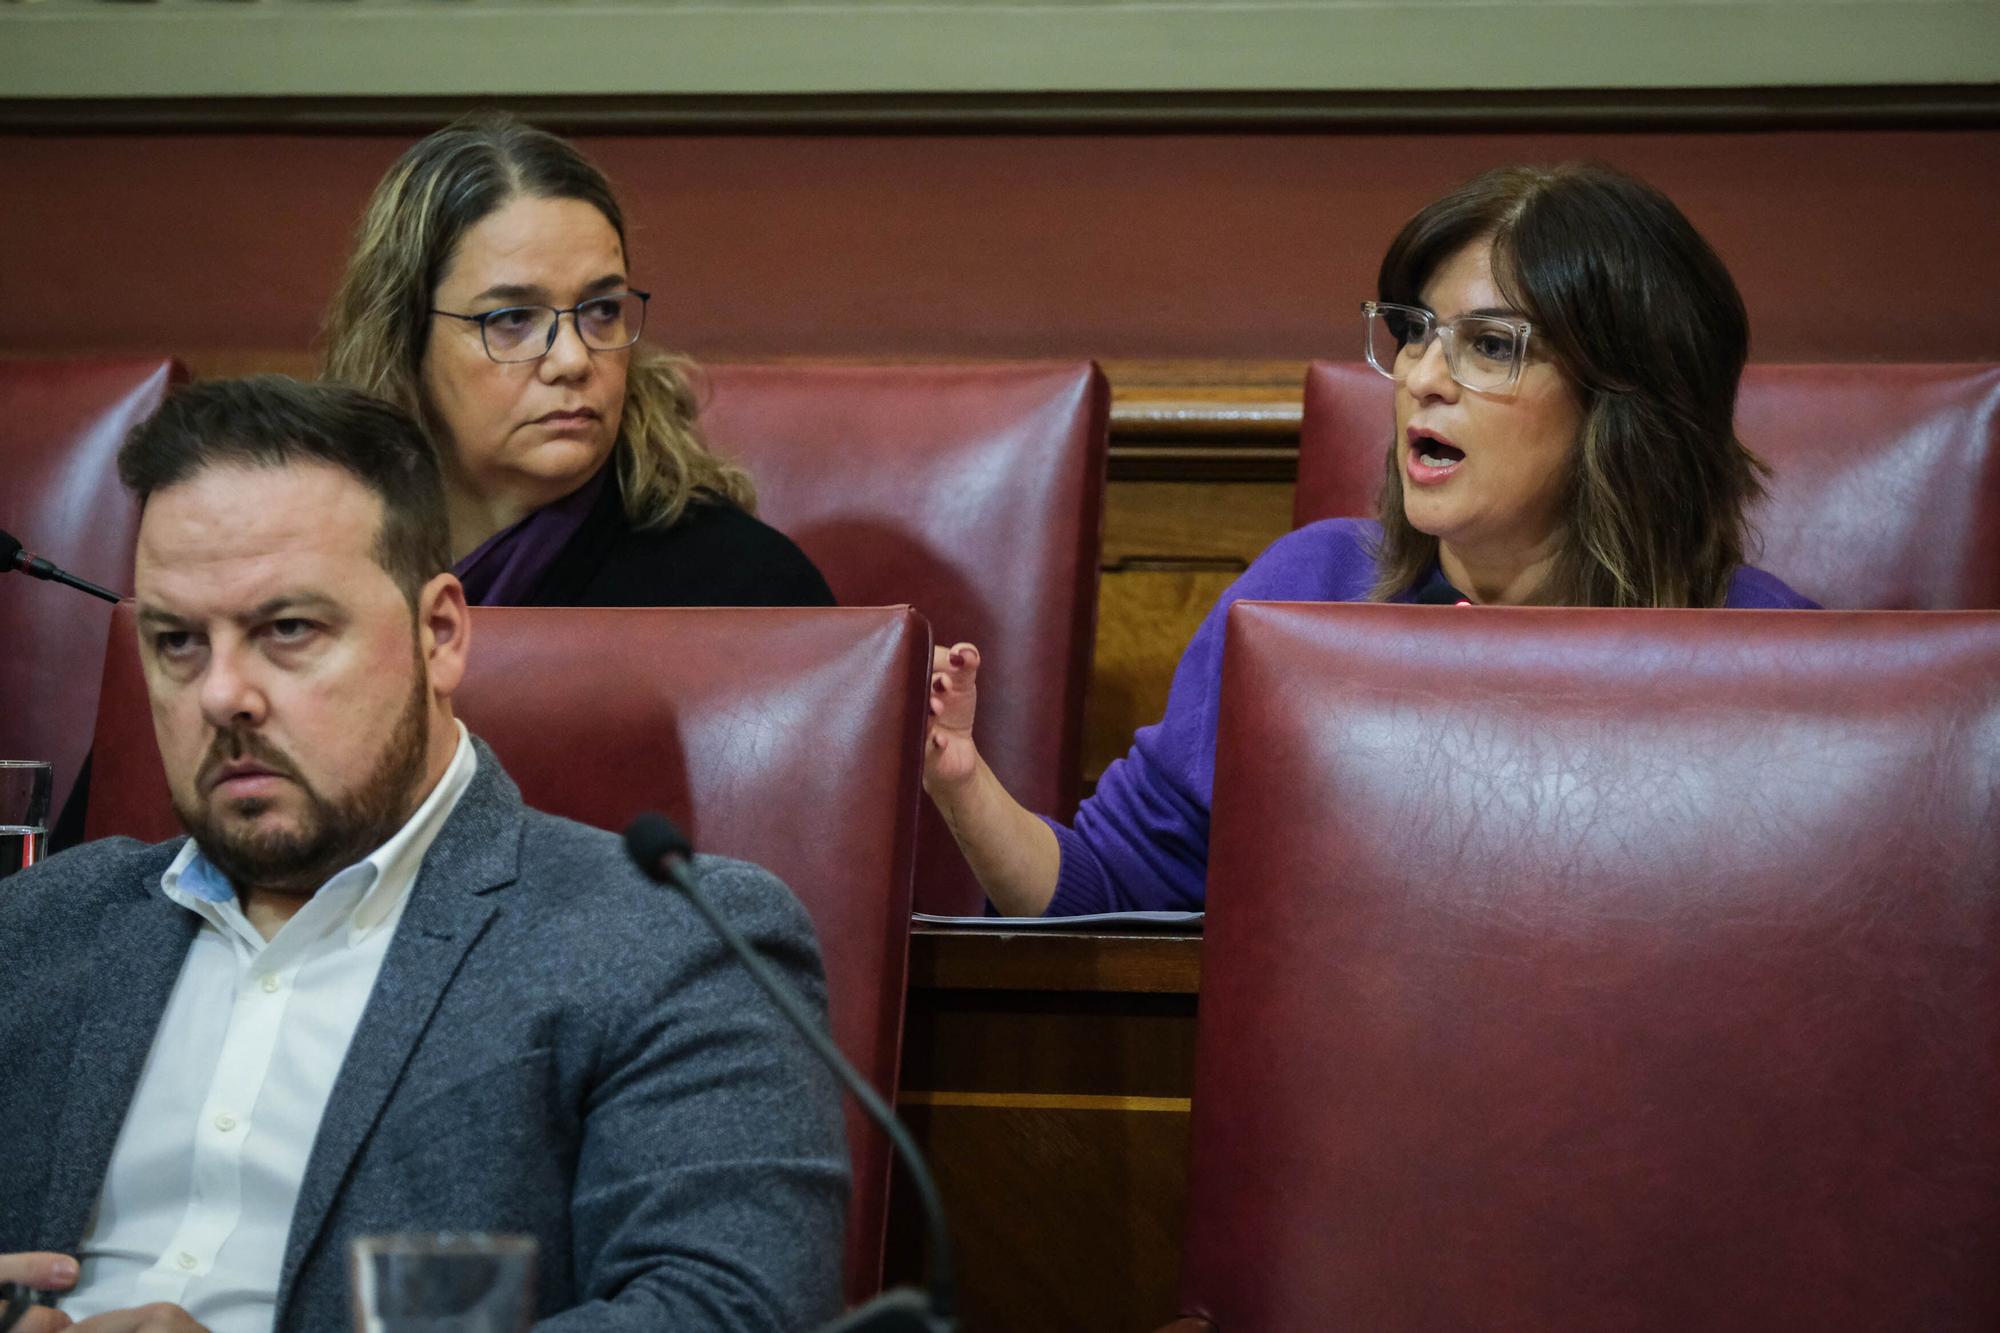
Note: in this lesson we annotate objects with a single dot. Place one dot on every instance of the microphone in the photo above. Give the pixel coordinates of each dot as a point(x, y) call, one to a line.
point(16, 1298)
point(13, 557)
point(663, 853)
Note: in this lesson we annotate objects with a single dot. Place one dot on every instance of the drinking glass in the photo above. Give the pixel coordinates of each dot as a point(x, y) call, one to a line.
point(24, 812)
point(447, 1283)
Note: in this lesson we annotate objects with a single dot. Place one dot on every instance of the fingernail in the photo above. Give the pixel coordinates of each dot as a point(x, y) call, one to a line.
point(62, 1270)
point(937, 683)
point(958, 659)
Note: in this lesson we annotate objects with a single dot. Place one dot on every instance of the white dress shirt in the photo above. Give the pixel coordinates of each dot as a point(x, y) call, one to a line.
point(198, 1199)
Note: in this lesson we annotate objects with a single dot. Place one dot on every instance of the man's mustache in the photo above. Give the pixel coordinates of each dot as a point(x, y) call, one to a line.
point(234, 746)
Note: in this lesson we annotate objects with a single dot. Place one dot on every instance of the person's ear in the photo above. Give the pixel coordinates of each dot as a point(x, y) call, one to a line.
point(444, 630)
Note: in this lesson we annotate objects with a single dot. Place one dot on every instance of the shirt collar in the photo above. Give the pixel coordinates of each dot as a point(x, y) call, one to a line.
point(363, 896)
point(1434, 587)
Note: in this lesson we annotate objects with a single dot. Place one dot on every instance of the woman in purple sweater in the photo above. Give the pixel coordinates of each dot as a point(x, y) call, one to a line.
point(1565, 348)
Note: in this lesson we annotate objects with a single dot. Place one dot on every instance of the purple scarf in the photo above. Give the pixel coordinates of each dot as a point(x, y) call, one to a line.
point(509, 565)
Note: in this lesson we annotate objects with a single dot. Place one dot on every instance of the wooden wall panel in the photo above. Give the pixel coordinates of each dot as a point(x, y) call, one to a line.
point(1048, 1079)
point(1067, 1220)
point(1849, 243)
point(1170, 548)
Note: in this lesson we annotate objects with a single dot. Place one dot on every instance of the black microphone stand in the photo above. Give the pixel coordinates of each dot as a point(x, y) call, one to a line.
point(662, 852)
point(27, 562)
point(16, 1299)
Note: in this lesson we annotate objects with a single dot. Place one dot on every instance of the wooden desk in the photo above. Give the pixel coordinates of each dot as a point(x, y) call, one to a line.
point(1047, 1075)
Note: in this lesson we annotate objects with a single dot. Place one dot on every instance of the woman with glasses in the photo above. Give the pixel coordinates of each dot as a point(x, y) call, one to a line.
point(490, 294)
point(1565, 348)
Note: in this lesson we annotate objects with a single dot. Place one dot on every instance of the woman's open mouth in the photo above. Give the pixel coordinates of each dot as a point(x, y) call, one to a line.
point(1430, 460)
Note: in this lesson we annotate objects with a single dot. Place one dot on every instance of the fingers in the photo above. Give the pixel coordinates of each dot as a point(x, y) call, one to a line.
point(43, 1320)
point(160, 1318)
point(954, 672)
point(954, 691)
point(41, 1269)
point(959, 658)
point(949, 754)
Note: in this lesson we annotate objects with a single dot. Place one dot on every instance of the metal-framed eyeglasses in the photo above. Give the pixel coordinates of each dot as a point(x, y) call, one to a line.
point(517, 333)
point(1483, 352)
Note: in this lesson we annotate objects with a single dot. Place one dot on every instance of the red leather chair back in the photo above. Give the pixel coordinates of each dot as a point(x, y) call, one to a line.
point(61, 425)
point(1886, 485)
point(791, 738)
point(974, 493)
point(1344, 431)
point(1596, 969)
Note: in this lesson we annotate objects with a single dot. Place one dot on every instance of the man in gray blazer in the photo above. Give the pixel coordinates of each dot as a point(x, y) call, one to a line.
point(373, 992)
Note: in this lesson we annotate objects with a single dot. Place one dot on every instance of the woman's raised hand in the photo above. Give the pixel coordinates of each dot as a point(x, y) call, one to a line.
point(950, 757)
point(1013, 854)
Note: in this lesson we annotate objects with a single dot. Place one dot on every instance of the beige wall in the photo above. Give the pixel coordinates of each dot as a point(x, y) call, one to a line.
point(320, 48)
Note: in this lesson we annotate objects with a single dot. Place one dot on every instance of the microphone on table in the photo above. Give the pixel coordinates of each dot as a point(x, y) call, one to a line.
point(27, 562)
point(663, 853)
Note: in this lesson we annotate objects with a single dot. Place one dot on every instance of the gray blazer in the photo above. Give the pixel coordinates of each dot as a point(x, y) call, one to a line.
point(555, 1046)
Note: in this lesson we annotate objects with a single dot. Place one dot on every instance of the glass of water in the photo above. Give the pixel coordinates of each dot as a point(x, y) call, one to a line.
point(24, 812)
point(445, 1283)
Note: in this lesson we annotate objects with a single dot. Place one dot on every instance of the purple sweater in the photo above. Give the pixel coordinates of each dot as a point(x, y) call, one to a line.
point(1140, 843)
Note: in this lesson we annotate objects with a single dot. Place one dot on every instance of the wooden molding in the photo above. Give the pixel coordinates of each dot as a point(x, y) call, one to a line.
point(1944, 106)
point(979, 959)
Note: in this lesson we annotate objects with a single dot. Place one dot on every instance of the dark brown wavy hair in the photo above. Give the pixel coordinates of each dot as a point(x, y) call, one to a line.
point(379, 322)
point(1642, 318)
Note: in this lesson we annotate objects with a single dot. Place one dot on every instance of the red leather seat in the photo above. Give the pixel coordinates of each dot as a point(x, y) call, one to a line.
point(1886, 485)
point(974, 493)
point(1344, 430)
point(791, 738)
point(61, 425)
point(1578, 969)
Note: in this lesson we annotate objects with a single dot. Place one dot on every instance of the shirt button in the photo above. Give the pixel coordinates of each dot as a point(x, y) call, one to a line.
point(185, 1260)
point(270, 984)
point(225, 1122)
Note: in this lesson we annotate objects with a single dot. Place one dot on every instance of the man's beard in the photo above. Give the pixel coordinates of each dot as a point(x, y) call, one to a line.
point(330, 835)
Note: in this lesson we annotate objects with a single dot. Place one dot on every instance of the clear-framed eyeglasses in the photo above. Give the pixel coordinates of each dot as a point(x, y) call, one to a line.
point(1482, 352)
point(607, 323)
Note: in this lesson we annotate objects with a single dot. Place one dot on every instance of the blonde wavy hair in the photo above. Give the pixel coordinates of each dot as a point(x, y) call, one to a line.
point(378, 324)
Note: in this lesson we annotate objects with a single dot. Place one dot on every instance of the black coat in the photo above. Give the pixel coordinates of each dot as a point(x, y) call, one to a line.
point(714, 554)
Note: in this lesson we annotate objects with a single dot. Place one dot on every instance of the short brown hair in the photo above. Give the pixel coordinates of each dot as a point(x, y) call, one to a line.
point(1643, 320)
point(379, 323)
point(274, 421)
